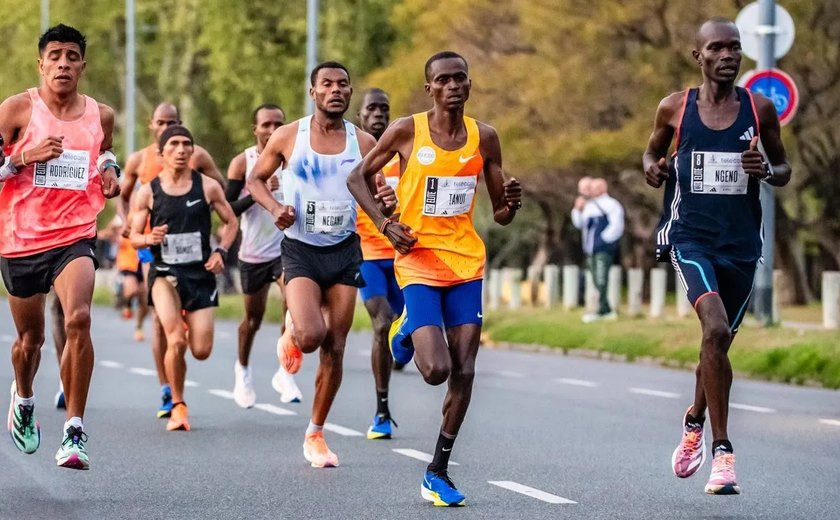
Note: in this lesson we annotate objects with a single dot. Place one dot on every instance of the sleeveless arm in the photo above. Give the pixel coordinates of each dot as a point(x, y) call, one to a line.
point(236, 182)
point(139, 216)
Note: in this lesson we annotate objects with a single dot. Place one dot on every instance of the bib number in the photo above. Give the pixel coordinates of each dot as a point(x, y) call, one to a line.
point(448, 196)
point(328, 217)
point(718, 173)
point(69, 171)
point(182, 248)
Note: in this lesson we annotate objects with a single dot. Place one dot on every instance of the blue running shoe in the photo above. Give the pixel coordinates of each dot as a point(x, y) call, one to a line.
point(402, 348)
point(380, 428)
point(59, 400)
point(165, 409)
point(439, 488)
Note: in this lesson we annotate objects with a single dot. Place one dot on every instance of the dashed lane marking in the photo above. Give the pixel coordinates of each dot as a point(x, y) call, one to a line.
point(419, 455)
point(341, 430)
point(654, 393)
point(142, 371)
point(830, 422)
point(751, 408)
point(111, 364)
point(224, 394)
point(576, 382)
point(270, 408)
point(531, 492)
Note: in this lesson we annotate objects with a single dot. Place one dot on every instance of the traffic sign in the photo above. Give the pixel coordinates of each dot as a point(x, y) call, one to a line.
point(752, 32)
point(776, 85)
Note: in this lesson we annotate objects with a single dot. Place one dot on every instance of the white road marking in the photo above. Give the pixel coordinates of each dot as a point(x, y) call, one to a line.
point(363, 352)
point(531, 492)
point(142, 371)
point(341, 430)
point(223, 334)
point(270, 408)
point(830, 422)
point(751, 408)
point(192, 383)
point(576, 382)
point(654, 393)
point(224, 394)
point(419, 455)
point(507, 373)
point(111, 364)
point(6, 337)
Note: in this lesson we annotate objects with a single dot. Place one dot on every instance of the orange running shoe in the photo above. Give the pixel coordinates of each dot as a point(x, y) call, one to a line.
point(315, 451)
point(288, 353)
point(139, 335)
point(178, 420)
point(127, 313)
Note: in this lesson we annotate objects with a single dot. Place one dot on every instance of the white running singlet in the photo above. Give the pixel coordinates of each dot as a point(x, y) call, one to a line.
point(260, 237)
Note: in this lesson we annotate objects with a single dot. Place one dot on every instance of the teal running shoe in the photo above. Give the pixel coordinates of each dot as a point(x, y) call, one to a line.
point(439, 489)
point(402, 348)
point(165, 409)
point(23, 428)
point(71, 454)
point(380, 428)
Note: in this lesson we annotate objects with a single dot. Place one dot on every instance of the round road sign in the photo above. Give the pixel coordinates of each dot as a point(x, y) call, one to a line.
point(751, 31)
point(778, 86)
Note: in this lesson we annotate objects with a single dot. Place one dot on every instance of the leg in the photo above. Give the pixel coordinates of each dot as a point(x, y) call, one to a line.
point(28, 315)
point(201, 323)
point(254, 311)
point(158, 336)
point(59, 337)
point(168, 310)
point(600, 275)
point(74, 288)
point(304, 298)
point(381, 362)
point(130, 290)
point(142, 308)
point(464, 341)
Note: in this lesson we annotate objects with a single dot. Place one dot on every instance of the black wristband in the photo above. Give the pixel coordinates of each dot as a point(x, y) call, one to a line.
point(222, 252)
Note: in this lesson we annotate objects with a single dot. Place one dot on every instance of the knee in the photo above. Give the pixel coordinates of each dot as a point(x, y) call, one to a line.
point(717, 337)
point(381, 326)
point(464, 374)
point(31, 341)
point(176, 345)
point(309, 337)
point(77, 320)
point(251, 323)
point(436, 373)
point(202, 353)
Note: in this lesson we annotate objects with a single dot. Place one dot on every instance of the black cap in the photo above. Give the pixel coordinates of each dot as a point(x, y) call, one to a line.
point(172, 131)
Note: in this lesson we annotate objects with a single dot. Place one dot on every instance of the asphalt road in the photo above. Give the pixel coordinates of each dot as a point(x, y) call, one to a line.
point(547, 436)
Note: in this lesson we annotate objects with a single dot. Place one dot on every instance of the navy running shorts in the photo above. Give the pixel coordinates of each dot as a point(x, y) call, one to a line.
point(380, 281)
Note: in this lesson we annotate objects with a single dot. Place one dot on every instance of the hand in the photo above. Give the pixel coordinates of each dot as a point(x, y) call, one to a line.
point(125, 232)
point(273, 183)
point(401, 237)
point(110, 184)
point(513, 194)
point(753, 162)
point(657, 173)
point(580, 202)
point(384, 193)
point(215, 264)
point(48, 149)
point(155, 238)
point(284, 216)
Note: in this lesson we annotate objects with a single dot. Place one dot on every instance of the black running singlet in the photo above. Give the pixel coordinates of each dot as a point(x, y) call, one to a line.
point(187, 240)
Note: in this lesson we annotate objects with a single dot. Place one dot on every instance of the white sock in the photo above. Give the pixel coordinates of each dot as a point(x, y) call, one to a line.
point(73, 421)
point(25, 401)
point(314, 428)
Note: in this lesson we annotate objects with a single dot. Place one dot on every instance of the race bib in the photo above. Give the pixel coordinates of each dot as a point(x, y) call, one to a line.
point(328, 216)
point(181, 248)
point(448, 196)
point(69, 171)
point(718, 173)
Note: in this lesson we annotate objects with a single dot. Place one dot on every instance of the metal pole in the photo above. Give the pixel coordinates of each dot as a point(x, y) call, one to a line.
point(45, 15)
point(311, 50)
point(764, 275)
point(130, 78)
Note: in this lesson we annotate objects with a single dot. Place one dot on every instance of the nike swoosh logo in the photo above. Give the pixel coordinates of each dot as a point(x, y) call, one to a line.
point(462, 159)
point(444, 449)
point(162, 268)
point(191, 203)
point(213, 296)
point(347, 161)
point(480, 315)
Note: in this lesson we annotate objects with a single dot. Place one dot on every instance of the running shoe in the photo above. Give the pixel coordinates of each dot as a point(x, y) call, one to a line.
point(179, 419)
point(127, 313)
point(165, 409)
point(243, 388)
point(398, 366)
point(23, 428)
point(288, 353)
point(402, 348)
point(439, 489)
point(722, 480)
point(691, 452)
point(315, 451)
point(71, 454)
point(60, 402)
point(380, 428)
point(139, 335)
point(284, 383)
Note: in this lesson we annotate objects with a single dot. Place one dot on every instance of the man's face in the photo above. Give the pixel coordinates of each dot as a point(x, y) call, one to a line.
point(177, 152)
point(449, 83)
point(164, 117)
point(375, 113)
point(61, 65)
point(719, 51)
point(585, 187)
point(268, 120)
point(332, 91)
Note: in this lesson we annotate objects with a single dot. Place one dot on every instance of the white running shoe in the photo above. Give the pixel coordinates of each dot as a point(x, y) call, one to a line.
point(284, 383)
point(243, 386)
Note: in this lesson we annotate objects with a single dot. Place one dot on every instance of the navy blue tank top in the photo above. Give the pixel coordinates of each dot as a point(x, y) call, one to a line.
point(710, 203)
point(187, 240)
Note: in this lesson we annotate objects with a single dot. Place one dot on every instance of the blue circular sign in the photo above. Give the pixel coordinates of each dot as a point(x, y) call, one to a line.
point(779, 88)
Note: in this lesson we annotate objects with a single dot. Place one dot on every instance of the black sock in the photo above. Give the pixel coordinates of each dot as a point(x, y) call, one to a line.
point(382, 403)
point(694, 422)
point(722, 447)
point(440, 461)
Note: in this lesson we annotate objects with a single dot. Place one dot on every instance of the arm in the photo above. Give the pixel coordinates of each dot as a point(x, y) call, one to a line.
point(654, 162)
point(216, 199)
point(271, 158)
point(129, 180)
point(384, 195)
point(236, 181)
point(771, 141)
point(205, 164)
point(615, 222)
point(15, 113)
point(140, 208)
point(577, 217)
point(108, 167)
point(505, 195)
point(397, 139)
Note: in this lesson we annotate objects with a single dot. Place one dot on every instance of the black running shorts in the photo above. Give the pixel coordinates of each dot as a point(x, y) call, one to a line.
point(255, 277)
point(27, 276)
point(196, 286)
point(327, 266)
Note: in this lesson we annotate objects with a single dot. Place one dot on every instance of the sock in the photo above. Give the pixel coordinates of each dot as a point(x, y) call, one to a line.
point(75, 422)
point(722, 447)
point(694, 422)
point(440, 461)
point(165, 389)
point(314, 428)
point(382, 403)
point(25, 401)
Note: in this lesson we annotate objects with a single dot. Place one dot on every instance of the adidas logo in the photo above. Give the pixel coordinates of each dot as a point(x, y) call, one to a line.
point(748, 135)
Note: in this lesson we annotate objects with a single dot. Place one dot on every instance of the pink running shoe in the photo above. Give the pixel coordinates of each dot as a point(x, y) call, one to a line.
point(315, 451)
point(722, 481)
point(691, 452)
